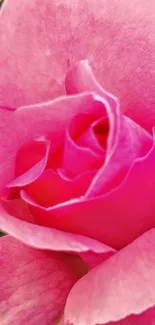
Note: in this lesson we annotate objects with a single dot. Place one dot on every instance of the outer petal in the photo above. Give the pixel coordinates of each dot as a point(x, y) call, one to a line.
point(146, 318)
point(118, 41)
point(92, 251)
point(34, 284)
point(121, 286)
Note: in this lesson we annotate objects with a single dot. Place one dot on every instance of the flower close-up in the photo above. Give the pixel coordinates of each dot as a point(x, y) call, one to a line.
point(77, 163)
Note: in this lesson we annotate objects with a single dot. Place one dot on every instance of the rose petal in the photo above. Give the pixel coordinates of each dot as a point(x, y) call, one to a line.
point(53, 187)
point(89, 159)
point(31, 80)
point(121, 286)
point(95, 137)
point(31, 174)
point(114, 32)
point(52, 239)
point(47, 120)
point(146, 318)
point(34, 284)
point(80, 78)
point(131, 141)
point(17, 207)
point(32, 151)
point(111, 218)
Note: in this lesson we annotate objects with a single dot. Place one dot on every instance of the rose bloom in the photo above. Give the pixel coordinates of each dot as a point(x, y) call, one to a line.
point(77, 166)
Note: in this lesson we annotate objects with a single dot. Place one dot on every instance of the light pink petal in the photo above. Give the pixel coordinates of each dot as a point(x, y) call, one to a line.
point(146, 318)
point(117, 40)
point(121, 286)
point(34, 284)
point(80, 78)
point(53, 187)
point(46, 120)
point(52, 239)
point(115, 218)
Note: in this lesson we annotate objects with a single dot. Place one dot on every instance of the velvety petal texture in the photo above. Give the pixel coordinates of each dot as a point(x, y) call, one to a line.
point(118, 41)
point(121, 286)
point(34, 284)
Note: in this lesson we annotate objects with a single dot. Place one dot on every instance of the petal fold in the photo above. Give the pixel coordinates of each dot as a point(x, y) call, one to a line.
point(55, 240)
point(123, 285)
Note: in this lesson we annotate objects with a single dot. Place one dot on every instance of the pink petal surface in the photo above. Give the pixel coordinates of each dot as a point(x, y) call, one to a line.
point(146, 318)
point(73, 149)
point(53, 187)
point(121, 286)
point(33, 172)
point(51, 239)
point(17, 207)
point(95, 137)
point(43, 120)
point(131, 141)
point(34, 284)
point(33, 151)
point(109, 218)
point(118, 41)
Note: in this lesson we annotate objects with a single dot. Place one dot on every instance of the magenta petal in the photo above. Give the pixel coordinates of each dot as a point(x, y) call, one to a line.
point(34, 172)
point(146, 318)
point(46, 120)
point(34, 284)
point(131, 141)
point(71, 162)
point(121, 286)
point(95, 137)
point(110, 218)
point(54, 187)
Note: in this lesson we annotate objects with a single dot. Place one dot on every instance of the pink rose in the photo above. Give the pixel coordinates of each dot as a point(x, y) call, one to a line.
point(77, 176)
point(98, 162)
